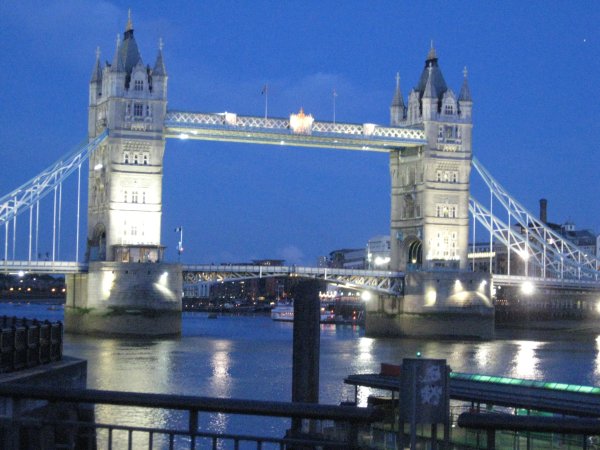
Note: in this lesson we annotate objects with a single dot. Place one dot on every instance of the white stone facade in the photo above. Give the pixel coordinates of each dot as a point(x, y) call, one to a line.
point(125, 178)
point(430, 185)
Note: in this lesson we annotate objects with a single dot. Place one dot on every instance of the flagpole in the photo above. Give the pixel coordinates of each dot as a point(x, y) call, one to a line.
point(334, 96)
point(266, 99)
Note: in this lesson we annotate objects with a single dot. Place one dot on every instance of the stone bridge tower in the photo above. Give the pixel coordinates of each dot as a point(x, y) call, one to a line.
point(430, 219)
point(126, 269)
point(125, 178)
point(430, 185)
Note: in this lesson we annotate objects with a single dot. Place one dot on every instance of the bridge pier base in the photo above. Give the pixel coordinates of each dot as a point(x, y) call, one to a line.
point(125, 299)
point(435, 304)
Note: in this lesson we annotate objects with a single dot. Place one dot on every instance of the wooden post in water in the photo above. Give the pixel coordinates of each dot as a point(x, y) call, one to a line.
point(306, 351)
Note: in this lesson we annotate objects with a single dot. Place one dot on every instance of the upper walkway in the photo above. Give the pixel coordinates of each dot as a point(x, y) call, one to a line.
point(298, 130)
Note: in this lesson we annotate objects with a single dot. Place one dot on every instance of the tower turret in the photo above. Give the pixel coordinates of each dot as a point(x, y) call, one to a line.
point(397, 109)
point(465, 102)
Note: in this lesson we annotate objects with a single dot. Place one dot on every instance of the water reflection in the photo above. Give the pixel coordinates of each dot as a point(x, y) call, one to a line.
point(525, 362)
point(251, 357)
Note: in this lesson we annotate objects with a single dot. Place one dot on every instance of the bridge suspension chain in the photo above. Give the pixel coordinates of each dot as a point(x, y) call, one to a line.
point(534, 241)
point(27, 197)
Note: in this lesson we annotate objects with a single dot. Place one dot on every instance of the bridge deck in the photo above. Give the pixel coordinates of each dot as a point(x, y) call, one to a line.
point(258, 130)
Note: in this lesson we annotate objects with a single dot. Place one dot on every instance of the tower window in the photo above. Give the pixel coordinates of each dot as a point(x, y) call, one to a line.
point(138, 110)
point(448, 110)
point(126, 158)
point(145, 159)
point(134, 197)
point(136, 158)
point(124, 196)
point(138, 85)
point(143, 196)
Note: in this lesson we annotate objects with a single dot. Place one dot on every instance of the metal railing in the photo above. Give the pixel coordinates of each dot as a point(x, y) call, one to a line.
point(28, 343)
point(327, 426)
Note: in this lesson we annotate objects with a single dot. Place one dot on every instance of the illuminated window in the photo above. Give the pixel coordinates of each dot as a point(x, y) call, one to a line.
point(138, 110)
point(138, 85)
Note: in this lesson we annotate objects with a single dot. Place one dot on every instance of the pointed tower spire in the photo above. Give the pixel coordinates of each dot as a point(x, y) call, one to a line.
point(97, 71)
point(431, 54)
point(398, 99)
point(129, 26)
point(430, 91)
point(159, 65)
point(117, 64)
point(465, 92)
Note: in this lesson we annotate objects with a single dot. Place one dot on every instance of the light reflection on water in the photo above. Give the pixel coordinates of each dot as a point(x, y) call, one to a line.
point(251, 357)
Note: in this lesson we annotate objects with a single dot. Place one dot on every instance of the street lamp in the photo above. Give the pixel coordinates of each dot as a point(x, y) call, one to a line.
point(180, 243)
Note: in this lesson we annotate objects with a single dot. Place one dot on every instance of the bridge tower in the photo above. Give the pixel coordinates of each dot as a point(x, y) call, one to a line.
point(429, 232)
point(126, 270)
point(430, 185)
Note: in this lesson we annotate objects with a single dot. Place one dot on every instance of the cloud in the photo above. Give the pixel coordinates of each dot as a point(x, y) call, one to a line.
point(291, 254)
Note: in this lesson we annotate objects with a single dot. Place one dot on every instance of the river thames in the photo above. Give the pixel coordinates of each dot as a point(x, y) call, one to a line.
point(251, 357)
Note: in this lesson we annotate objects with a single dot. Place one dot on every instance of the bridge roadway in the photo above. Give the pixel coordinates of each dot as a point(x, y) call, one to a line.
point(230, 127)
point(382, 281)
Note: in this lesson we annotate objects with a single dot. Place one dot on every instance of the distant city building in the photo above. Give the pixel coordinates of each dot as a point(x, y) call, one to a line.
point(322, 261)
point(379, 252)
point(348, 258)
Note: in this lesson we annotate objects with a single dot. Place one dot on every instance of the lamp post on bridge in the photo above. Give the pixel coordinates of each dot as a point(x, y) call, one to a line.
point(179, 243)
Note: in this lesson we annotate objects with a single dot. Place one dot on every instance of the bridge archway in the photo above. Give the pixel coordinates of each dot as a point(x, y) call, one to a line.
point(413, 252)
point(96, 250)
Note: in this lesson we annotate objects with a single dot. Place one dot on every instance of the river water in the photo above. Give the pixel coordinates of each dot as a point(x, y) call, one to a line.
point(251, 357)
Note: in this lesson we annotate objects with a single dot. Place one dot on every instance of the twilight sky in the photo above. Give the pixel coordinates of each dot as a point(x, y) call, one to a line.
point(533, 68)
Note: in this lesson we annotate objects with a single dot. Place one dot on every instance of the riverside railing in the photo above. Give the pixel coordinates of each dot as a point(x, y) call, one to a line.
point(323, 426)
point(27, 343)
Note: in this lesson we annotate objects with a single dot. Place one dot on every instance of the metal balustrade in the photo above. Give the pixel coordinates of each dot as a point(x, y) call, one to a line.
point(324, 426)
point(26, 343)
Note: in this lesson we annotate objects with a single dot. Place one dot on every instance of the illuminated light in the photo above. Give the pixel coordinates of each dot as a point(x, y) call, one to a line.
point(28, 289)
point(281, 142)
point(527, 288)
point(98, 166)
point(183, 136)
point(524, 254)
point(11, 289)
point(418, 354)
point(21, 274)
point(430, 297)
point(301, 123)
point(108, 279)
point(163, 278)
point(381, 260)
point(53, 290)
point(366, 296)
point(194, 132)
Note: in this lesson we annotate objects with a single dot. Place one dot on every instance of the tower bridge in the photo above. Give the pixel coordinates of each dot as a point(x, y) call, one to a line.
point(430, 288)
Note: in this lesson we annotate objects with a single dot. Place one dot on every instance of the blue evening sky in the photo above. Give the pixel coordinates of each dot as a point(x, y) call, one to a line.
point(533, 70)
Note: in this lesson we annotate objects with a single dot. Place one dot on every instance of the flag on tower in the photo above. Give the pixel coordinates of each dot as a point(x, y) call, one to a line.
point(265, 90)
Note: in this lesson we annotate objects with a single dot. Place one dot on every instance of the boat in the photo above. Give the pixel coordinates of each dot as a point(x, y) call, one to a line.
point(284, 312)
